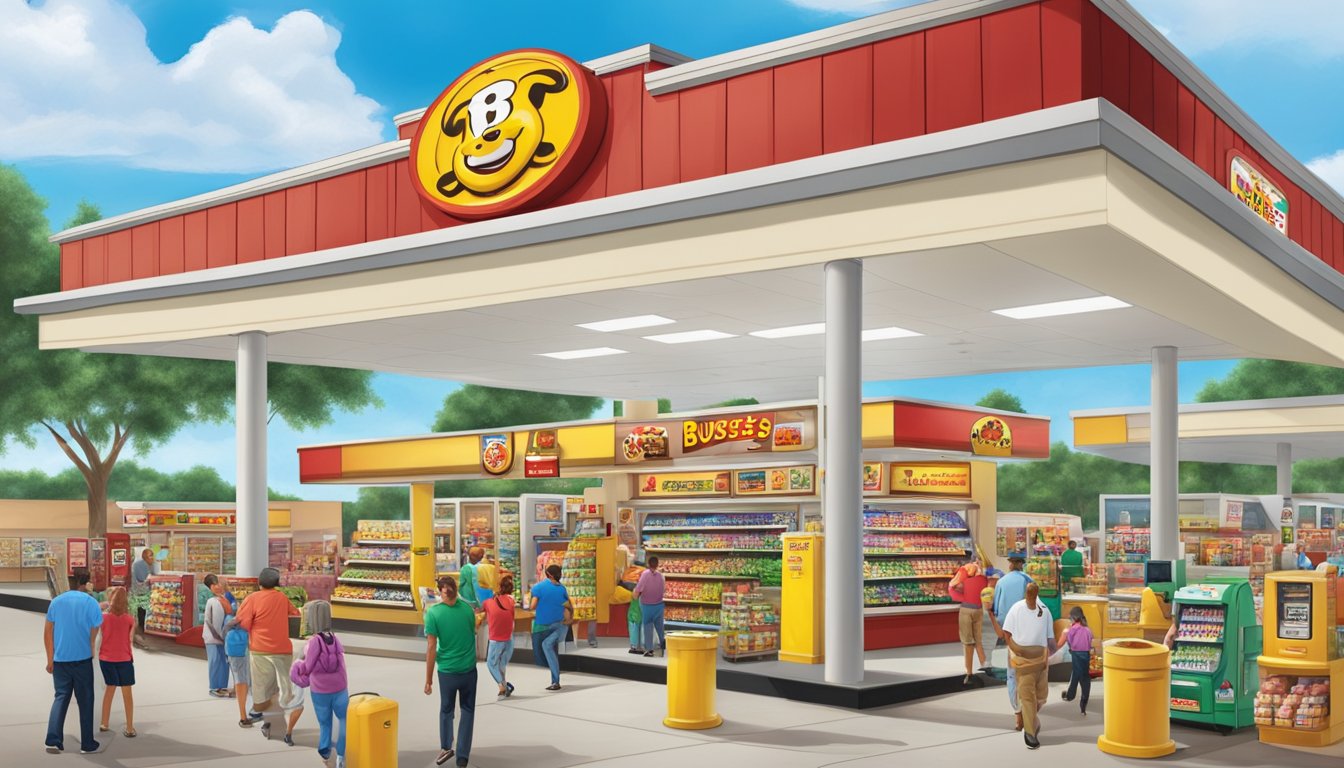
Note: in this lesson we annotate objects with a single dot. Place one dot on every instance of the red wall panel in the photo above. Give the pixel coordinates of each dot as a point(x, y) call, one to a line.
point(1114, 63)
point(1314, 233)
point(95, 260)
point(221, 245)
point(119, 256)
point(1337, 258)
point(320, 463)
point(1327, 253)
point(172, 245)
point(952, 76)
point(1010, 44)
point(1204, 138)
point(340, 210)
point(625, 164)
point(72, 265)
point(1091, 51)
point(145, 250)
point(1141, 84)
point(1166, 111)
point(251, 229)
point(593, 183)
point(704, 131)
point(406, 200)
point(939, 427)
point(1222, 140)
point(1062, 51)
point(1185, 121)
point(274, 222)
point(431, 217)
point(847, 99)
point(898, 88)
point(377, 218)
point(661, 142)
point(798, 110)
point(751, 121)
point(194, 239)
point(300, 219)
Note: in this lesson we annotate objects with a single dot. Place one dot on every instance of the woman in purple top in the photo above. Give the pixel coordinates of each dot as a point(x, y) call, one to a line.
point(322, 670)
point(649, 593)
point(1079, 638)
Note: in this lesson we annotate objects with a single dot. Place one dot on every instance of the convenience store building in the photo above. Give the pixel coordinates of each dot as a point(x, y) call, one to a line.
point(949, 189)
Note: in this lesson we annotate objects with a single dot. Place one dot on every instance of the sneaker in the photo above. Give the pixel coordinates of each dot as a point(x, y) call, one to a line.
point(340, 761)
point(94, 751)
point(648, 654)
point(637, 651)
point(219, 694)
point(266, 731)
point(1032, 741)
point(444, 757)
point(324, 754)
point(508, 690)
point(255, 717)
point(553, 687)
point(54, 750)
point(244, 723)
point(289, 739)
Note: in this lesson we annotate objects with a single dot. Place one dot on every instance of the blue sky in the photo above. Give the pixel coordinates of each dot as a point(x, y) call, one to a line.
point(84, 80)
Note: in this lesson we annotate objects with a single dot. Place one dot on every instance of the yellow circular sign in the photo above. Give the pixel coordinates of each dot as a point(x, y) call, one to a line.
point(991, 436)
point(512, 132)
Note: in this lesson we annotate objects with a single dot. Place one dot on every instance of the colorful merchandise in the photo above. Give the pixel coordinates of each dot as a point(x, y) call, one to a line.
point(911, 568)
point(750, 625)
point(740, 542)
point(1301, 703)
point(692, 614)
point(510, 542)
point(399, 575)
point(10, 553)
point(902, 520)
point(1213, 666)
point(168, 605)
point(707, 592)
point(375, 531)
point(889, 593)
point(915, 544)
point(579, 572)
point(786, 520)
point(376, 594)
point(763, 567)
point(379, 554)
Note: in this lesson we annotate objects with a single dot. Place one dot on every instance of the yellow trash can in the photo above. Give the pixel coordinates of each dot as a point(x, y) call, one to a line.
point(691, 679)
point(1137, 721)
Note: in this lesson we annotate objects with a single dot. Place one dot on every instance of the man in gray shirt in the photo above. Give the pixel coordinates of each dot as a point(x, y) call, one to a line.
point(141, 570)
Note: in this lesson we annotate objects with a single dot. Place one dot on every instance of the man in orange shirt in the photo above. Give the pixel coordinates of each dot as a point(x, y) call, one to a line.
point(265, 615)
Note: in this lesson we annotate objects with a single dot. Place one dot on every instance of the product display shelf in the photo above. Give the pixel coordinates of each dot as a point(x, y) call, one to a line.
point(692, 625)
point(172, 604)
point(749, 625)
point(376, 562)
point(378, 603)
point(383, 542)
point(373, 582)
point(579, 568)
point(510, 542)
point(684, 528)
point(934, 576)
point(892, 535)
point(717, 543)
point(478, 529)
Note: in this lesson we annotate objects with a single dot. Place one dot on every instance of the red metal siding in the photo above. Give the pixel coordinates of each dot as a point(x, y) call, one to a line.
point(145, 250)
point(119, 256)
point(953, 85)
point(1166, 111)
point(898, 88)
point(251, 229)
point(1141, 84)
point(1061, 52)
point(1091, 51)
point(1204, 138)
point(751, 109)
point(406, 200)
point(847, 99)
point(221, 244)
point(1114, 63)
point(798, 110)
point(625, 171)
point(194, 239)
point(340, 210)
point(662, 116)
point(274, 222)
point(319, 463)
point(95, 260)
point(1338, 257)
point(1185, 121)
point(704, 131)
point(593, 183)
point(377, 211)
point(172, 246)
point(1010, 48)
point(300, 219)
point(72, 265)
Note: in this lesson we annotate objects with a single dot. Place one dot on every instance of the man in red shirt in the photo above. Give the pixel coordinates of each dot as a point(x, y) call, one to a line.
point(265, 615)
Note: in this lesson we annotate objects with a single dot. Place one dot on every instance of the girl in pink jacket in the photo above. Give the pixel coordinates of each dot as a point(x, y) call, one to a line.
point(322, 671)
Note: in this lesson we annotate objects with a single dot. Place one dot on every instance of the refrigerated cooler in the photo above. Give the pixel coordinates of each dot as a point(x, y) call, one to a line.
point(493, 524)
point(1213, 659)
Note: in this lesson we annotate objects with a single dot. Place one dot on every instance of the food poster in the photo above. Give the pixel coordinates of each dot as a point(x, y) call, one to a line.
point(497, 453)
point(77, 553)
point(34, 553)
point(682, 484)
point(774, 481)
point(719, 435)
point(1255, 191)
point(11, 553)
point(547, 512)
point(874, 478)
point(625, 528)
point(543, 454)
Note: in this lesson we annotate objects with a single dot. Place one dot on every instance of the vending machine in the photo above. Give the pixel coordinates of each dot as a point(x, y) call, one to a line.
point(98, 564)
point(1213, 660)
point(1301, 699)
point(76, 555)
point(118, 559)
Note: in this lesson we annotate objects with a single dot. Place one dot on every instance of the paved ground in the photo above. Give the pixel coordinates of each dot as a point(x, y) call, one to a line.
point(593, 722)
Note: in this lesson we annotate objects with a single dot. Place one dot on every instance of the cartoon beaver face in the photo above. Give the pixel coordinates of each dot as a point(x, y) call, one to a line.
point(498, 135)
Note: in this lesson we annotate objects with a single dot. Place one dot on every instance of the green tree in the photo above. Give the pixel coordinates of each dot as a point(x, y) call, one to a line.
point(480, 407)
point(1002, 400)
point(618, 407)
point(1069, 480)
point(94, 405)
point(131, 482)
point(1266, 379)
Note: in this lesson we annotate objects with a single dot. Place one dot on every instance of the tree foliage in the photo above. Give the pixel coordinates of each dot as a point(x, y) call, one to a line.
point(1001, 400)
point(1266, 379)
point(131, 482)
point(479, 407)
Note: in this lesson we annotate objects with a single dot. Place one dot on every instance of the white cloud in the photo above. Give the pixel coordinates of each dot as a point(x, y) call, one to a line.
point(853, 7)
point(1260, 30)
point(1331, 169)
point(77, 79)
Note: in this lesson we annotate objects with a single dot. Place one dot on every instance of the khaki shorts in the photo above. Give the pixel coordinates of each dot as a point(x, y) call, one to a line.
point(969, 623)
point(270, 677)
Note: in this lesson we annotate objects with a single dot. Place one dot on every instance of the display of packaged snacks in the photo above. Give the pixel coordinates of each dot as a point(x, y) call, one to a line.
point(893, 593)
point(392, 595)
point(229, 554)
point(380, 554)
point(914, 544)
point(692, 614)
point(744, 542)
point(579, 573)
point(510, 542)
point(399, 575)
point(34, 553)
point(749, 624)
point(1285, 701)
point(167, 600)
point(765, 567)
point(784, 520)
point(910, 568)
point(203, 554)
point(11, 553)
point(1196, 658)
point(912, 520)
point(694, 591)
point(382, 531)
point(478, 529)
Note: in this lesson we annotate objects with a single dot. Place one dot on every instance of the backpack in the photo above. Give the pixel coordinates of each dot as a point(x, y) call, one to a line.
point(235, 642)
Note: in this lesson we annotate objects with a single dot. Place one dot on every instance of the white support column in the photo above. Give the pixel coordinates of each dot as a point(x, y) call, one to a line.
point(842, 494)
point(1285, 466)
point(1164, 467)
point(250, 412)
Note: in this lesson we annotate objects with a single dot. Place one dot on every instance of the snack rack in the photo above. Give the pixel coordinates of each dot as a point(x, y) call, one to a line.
point(376, 571)
point(172, 604)
point(749, 623)
point(910, 553)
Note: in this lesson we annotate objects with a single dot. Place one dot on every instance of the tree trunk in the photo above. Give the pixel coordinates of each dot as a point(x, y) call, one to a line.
point(97, 485)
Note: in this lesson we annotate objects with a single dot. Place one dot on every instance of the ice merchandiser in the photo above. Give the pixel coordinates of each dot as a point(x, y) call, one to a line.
point(1213, 658)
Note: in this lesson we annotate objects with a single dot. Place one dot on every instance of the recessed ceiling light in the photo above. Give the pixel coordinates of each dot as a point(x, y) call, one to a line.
point(575, 354)
point(892, 332)
point(1056, 308)
point(688, 336)
point(626, 323)
point(811, 329)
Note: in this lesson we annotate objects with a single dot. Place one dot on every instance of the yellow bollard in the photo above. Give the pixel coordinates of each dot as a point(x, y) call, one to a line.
point(691, 679)
point(1137, 721)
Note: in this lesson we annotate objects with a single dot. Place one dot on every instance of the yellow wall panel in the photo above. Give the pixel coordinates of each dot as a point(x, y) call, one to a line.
point(459, 454)
point(878, 425)
point(1100, 430)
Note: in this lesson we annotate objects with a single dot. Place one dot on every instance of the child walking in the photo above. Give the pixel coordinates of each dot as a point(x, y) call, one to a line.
point(322, 670)
point(114, 658)
point(634, 621)
point(1079, 639)
point(240, 668)
point(499, 619)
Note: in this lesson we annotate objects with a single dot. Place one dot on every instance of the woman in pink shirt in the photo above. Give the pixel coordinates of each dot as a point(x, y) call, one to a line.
point(649, 593)
point(499, 617)
point(1079, 638)
point(114, 657)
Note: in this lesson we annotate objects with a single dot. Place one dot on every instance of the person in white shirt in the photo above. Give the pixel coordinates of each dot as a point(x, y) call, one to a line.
point(1029, 630)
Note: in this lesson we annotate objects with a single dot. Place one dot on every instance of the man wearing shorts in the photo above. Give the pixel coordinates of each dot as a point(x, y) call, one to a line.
point(265, 616)
point(965, 588)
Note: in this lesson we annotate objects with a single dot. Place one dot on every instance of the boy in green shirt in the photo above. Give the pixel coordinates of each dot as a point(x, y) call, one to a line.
point(450, 626)
point(1071, 565)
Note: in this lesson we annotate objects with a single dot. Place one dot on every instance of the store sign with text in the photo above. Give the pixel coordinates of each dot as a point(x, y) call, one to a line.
point(1255, 191)
point(1184, 705)
point(729, 434)
point(543, 454)
point(775, 481)
point(134, 520)
point(682, 484)
point(931, 479)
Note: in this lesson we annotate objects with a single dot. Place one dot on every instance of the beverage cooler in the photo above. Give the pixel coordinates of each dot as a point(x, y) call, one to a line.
point(542, 528)
point(118, 560)
point(445, 537)
point(1213, 661)
point(494, 525)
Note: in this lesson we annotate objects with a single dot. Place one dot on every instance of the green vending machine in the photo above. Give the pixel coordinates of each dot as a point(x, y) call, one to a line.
point(1213, 659)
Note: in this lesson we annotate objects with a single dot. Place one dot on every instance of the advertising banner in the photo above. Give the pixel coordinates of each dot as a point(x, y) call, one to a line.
point(775, 481)
point(682, 484)
point(728, 434)
point(931, 479)
point(1255, 191)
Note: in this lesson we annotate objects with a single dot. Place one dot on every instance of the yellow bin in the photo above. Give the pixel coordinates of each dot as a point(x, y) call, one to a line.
point(371, 732)
point(1137, 722)
point(691, 679)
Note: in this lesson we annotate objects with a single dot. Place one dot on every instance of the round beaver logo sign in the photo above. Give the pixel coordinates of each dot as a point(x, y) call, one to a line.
point(512, 132)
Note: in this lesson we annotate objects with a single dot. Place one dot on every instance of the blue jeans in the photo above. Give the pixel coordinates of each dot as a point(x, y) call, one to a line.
point(653, 622)
point(550, 649)
point(72, 678)
point(324, 706)
point(463, 686)
point(217, 664)
point(1080, 676)
point(497, 658)
point(1012, 687)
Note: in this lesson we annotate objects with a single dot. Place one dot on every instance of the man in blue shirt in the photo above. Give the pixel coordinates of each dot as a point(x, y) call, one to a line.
point(73, 620)
point(553, 614)
point(1011, 590)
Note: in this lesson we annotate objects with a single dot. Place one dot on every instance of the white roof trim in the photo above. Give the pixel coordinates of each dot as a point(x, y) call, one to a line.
point(1318, 401)
point(378, 154)
point(603, 65)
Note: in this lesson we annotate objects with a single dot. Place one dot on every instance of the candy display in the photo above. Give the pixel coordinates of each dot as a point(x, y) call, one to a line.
point(203, 554)
point(378, 531)
point(749, 625)
point(889, 593)
point(10, 553)
point(787, 520)
point(397, 597)
point(914, 544)
point(377, 554)
point(170, 603)
point(708, 592)
point(766, 542)
point(399, 575)
point(229, 554)
point(509, 541)
point(1285, 701)
point(580, 573)
point(767, 568)
point(903, 520)
point(1200, 625)
point(692, 614)
point(1196, 658)
point(910, 568)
